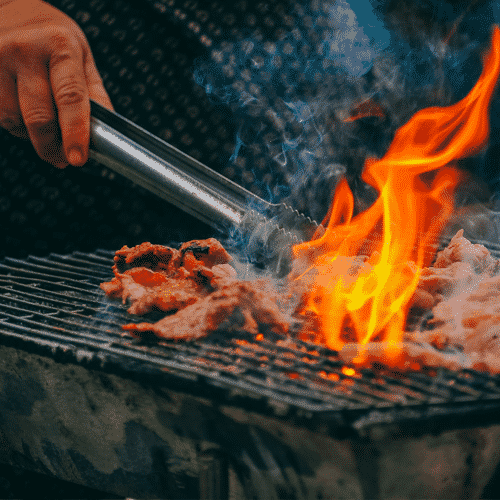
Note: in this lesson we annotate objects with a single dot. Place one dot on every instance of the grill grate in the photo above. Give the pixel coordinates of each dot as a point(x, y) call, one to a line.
point(56, 302)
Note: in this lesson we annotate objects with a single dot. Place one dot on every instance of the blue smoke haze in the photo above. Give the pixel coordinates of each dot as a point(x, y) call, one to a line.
point(290, 96)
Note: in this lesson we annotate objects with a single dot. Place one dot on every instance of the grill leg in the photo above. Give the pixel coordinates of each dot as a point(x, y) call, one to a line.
point(214, 473)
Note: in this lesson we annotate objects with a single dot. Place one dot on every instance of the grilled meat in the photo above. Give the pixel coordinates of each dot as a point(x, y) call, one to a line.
point(238, 306)
point(196, 287)
point(463, 291)
point(200, 293)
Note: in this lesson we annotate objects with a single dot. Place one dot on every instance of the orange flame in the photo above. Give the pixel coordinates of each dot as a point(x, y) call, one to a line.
point(360, 300)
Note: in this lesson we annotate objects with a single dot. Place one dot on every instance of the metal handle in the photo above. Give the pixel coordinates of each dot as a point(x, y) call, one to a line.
point(165, 171)
point(270, 229)
point(159, 177)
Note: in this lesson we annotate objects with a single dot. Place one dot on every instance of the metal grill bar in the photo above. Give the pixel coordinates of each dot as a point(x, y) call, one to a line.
point(56, 301)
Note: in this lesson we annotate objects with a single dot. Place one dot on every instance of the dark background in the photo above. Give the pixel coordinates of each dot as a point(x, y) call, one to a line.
point(148, 53)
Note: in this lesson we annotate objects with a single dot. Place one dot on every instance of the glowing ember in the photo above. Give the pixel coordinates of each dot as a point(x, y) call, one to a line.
point(366, 299)
point(366, 109)
point(350, 372)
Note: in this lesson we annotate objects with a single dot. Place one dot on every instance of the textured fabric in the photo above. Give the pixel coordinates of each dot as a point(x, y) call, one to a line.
point(147, 72)
point(260, 91)
point(145, 53)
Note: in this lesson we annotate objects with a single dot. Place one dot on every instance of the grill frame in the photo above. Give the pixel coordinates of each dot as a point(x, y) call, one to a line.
point(197, 434)
point(66, 288)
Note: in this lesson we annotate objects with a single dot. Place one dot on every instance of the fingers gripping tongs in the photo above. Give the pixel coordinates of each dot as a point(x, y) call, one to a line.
point(268, 229)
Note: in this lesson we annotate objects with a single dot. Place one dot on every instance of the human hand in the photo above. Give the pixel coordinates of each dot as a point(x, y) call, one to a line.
point(47, 76)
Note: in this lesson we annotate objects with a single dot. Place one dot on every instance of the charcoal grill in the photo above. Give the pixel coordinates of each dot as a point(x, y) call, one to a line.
point(223, 417)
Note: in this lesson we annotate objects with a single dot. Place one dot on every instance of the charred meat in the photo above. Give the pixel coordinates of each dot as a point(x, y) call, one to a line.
point(196, 287)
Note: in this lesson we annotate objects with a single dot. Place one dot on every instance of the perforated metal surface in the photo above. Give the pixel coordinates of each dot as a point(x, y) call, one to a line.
point(148, 54)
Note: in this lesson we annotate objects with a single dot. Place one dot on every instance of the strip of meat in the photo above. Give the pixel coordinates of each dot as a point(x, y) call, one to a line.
point(171, 295)
point(249, 306)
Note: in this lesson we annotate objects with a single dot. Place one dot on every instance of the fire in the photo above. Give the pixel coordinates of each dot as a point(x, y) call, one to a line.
point(367, 299)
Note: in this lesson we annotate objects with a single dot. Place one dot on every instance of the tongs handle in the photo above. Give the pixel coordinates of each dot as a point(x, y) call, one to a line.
point(165, 171)
point(269, 230)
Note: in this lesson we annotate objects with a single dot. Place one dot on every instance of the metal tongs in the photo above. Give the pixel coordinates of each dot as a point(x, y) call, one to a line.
point(268, 230)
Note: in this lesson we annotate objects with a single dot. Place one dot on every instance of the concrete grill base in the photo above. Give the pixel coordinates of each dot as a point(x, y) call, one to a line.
point(139, 438)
